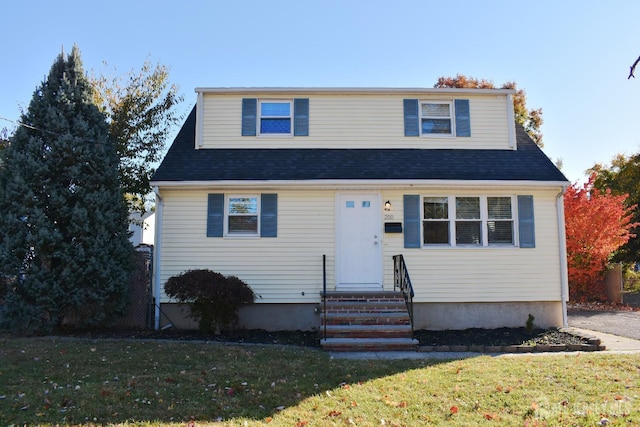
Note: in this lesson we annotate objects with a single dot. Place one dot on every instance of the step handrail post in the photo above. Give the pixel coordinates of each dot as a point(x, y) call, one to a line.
point(324, 294)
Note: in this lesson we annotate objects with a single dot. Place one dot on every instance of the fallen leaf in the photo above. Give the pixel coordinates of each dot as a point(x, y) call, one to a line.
point(453, 409)
point(335, 413)
point(302, 423)
point(268, 419)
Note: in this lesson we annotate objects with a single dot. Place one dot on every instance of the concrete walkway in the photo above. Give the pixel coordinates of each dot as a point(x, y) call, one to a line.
point(614, 344)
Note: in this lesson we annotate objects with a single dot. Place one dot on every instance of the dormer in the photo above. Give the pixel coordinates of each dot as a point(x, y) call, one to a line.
point(384, 118)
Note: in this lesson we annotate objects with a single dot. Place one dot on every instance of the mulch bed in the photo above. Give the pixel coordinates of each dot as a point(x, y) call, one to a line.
point(467, 337)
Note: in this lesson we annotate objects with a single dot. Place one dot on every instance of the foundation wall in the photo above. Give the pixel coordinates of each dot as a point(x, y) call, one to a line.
point(431, 316)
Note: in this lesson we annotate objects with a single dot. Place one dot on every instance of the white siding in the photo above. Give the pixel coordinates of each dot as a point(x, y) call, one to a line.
point(288, 268)
point(356, 121)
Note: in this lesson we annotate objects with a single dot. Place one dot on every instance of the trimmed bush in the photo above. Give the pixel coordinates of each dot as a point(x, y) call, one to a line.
point(214, 299)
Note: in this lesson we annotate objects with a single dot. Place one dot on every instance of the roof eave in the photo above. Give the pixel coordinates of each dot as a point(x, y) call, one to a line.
point(386, 184)
point(350, 90)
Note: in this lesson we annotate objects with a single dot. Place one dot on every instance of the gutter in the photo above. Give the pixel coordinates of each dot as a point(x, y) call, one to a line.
point(352, 90)
point(562, 241)
point(363, 183)
point(156, 258)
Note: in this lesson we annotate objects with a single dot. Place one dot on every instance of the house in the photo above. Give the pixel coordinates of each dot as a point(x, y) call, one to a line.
point(142, 228)
point(295, 189)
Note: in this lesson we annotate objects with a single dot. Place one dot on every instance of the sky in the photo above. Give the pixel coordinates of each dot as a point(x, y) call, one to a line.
point(571, 57)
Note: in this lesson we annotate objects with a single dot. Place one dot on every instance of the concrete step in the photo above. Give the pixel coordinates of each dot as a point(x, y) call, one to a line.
point(363, 296)
point(369, 344)
point(369, 331)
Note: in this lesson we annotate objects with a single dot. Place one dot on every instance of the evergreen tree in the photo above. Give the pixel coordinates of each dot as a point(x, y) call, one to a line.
point(63, 214)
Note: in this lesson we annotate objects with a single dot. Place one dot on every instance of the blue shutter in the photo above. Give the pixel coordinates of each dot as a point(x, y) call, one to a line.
point(526, 223)
point(249, 116)
point(301, 117)
point(215, 215)
point(463, 118)
point(411, 221)
point(269, 215)
point(411, 119)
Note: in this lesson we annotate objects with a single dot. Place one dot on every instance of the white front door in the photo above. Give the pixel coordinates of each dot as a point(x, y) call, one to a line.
point(359, 242)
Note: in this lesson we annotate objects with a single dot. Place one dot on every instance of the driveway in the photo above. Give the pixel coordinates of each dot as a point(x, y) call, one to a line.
point(621, 323)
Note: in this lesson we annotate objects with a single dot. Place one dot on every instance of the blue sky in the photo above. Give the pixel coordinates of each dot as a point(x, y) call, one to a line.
point(571, 57)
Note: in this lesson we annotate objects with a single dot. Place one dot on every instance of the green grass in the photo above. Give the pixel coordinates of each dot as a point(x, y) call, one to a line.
point(154, 383)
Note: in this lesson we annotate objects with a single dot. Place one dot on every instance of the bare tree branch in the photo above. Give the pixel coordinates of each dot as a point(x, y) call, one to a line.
point(633, 68)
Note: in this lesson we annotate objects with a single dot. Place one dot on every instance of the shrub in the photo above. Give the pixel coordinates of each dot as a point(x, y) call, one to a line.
point(214, 299)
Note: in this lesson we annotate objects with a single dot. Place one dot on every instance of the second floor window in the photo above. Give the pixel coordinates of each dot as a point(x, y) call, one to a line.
point(435, 118)
point(275, 117)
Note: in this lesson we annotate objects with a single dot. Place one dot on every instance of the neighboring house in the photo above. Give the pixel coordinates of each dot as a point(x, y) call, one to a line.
point(142, 228)
point(265, 183)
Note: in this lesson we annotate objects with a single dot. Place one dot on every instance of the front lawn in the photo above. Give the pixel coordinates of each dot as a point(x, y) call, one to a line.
point(45, 381)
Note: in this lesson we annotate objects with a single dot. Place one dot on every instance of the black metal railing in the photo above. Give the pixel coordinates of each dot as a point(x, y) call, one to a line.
point(324, 295)
point(402, 282)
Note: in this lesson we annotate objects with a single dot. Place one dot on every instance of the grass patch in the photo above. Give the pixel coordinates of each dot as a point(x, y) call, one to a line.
point(46, 381)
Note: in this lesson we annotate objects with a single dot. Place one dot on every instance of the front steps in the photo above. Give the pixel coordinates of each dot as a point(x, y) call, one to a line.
point(367, 321)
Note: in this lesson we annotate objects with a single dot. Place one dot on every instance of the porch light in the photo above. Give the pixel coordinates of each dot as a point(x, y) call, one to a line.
point(387, 206)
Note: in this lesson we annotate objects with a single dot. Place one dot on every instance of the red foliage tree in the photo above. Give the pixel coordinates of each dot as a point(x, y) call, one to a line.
point(530, 120)
point(597, 223)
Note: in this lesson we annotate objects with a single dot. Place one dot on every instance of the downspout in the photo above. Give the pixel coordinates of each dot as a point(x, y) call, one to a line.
point(156, 257)
point(562, 240)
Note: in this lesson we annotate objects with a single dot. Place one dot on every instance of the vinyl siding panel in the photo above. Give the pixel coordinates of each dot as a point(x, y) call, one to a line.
point(288, 268)
point(356, 121)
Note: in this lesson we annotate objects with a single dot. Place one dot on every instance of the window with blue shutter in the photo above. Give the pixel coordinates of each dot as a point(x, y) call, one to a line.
point(411, 221)
point(275, 117)
point(240, 215)
point(301, 117)
point(436, 118)
point(215, 215)
point(526, 222)
point(463, 118)
point(411, 119)
point(269, 215)
point(249, 116)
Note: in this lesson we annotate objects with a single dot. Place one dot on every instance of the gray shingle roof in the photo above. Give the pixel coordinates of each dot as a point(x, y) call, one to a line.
point(184, 163)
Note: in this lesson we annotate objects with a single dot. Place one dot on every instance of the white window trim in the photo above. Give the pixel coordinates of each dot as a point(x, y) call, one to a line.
point(484, 219)
point(452, 117)
point(485, 224)
point(227, 198)
point(260, 117)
